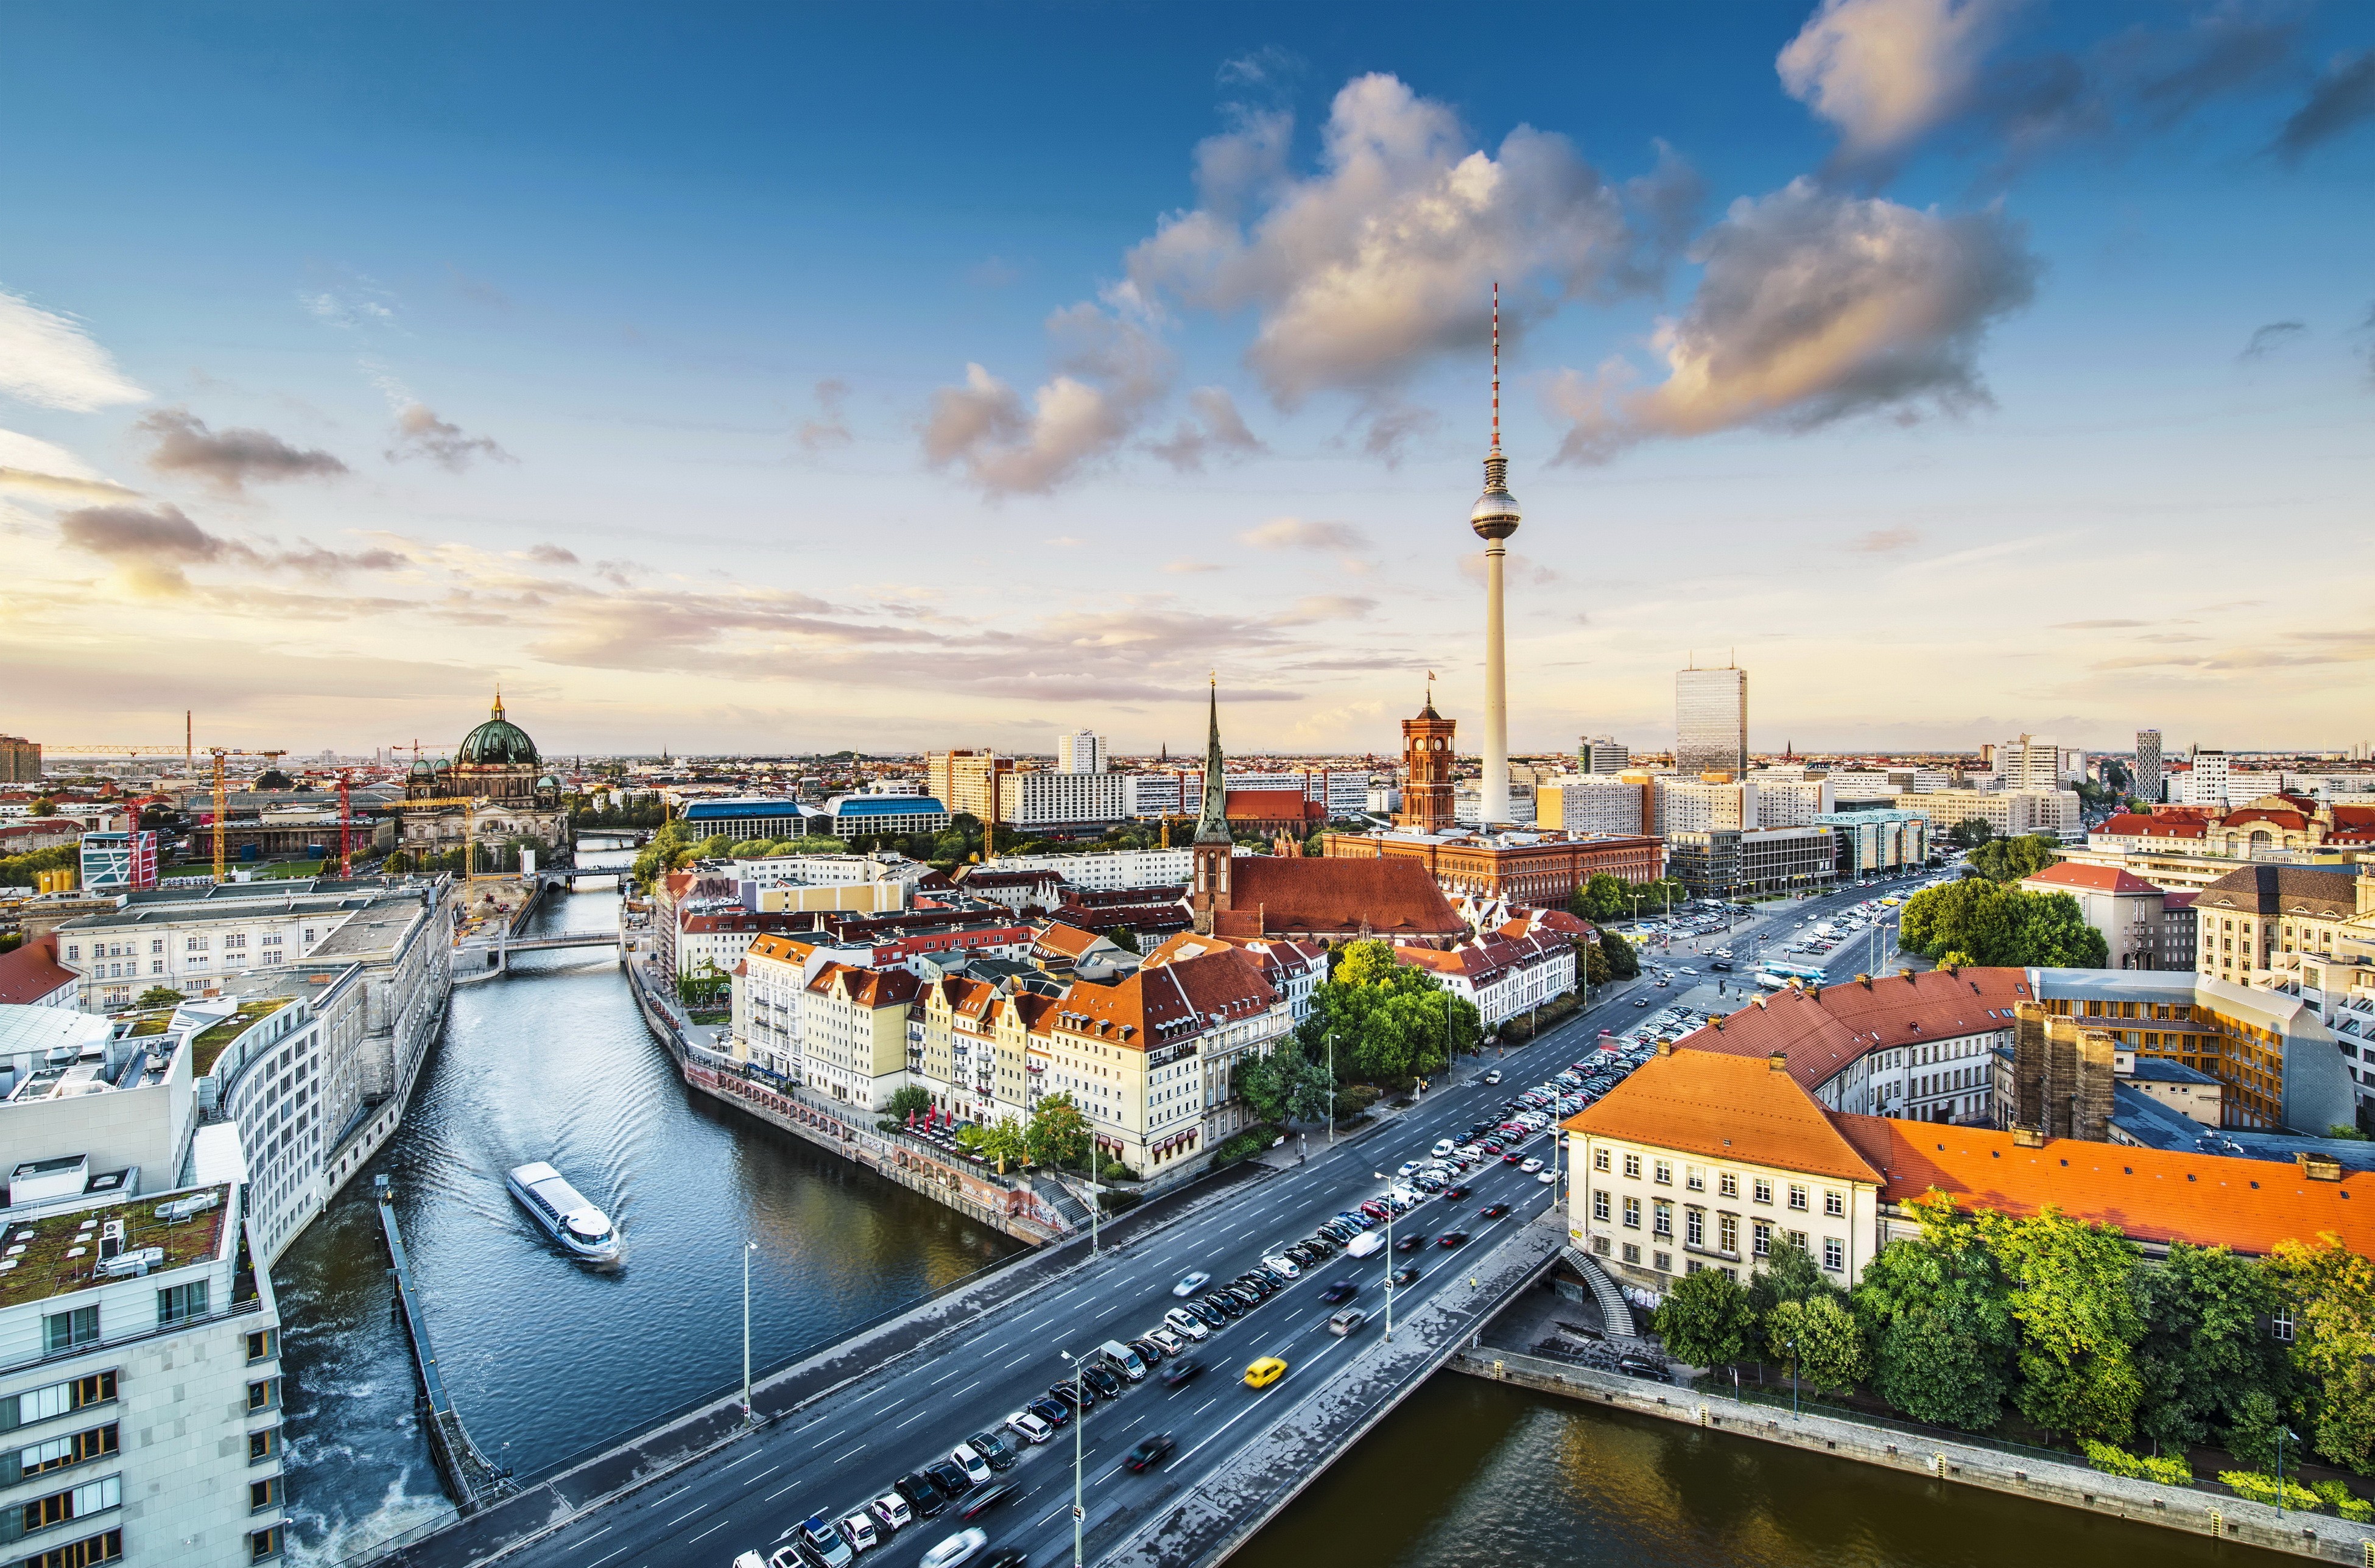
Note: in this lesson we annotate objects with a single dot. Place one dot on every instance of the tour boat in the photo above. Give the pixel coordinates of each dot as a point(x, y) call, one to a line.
point(563, 1209)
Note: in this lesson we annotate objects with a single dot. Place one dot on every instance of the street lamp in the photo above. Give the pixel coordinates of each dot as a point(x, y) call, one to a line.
point(748, 1248)
point(1390, 1257)
point(1080, 1425)
point(2282, 1432)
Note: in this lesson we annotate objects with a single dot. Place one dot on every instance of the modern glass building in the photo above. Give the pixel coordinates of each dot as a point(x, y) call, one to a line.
point(1711, 721)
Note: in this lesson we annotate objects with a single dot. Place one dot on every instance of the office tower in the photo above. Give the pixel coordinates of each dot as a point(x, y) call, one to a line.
point(20, 760)
point(1711, 721)
point(2031, 762)
point(2208, 784)
point(1494, 518)
point(2146, 784)
point(1602, 754)
point(1082, 752)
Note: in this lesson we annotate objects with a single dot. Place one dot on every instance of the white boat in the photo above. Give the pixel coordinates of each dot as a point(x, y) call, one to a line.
point(563, 1209)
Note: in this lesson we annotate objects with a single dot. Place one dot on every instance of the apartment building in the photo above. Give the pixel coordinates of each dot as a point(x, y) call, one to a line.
point(2009, 813)
point(1063, 799)
point(970, 1047)
point(1730, 862)
point(1082, 751)
point(1870, 843)
point(1715, 802)
point(961, 780)
point(1503, 973)
point(1602, 754)
point(2251, 917)
point(2133, 916)
point(853, 1033)
point(1593, 802)
point(1791, 802)
point(769, 985)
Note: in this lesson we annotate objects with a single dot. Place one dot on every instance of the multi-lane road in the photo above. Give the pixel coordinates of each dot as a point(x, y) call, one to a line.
point(846, 1450)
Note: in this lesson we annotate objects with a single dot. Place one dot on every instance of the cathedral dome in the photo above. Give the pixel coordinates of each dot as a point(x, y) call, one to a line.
point(498, 742)
point(423, 768)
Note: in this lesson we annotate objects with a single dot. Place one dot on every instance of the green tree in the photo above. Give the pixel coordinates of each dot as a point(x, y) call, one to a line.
point(1597, 970)
point(2251, 1435)
point(159, 996)
point(1622, 962)
point(2331, 1291)
point(2008, 860)
point(1003, 1142)
point(1125, 939)
point(1705, 1319)
point(1057, 1135)
point(1392, 1021)
point(1286, 1085)
point(1603, 897)
point(1818, 1339)
point(1790, 1274)
point(2205, 1353)
point(1970, 834)
point(911, 1101)
point(2076, 1298)
point(1993, 924)
point(1934, 1309)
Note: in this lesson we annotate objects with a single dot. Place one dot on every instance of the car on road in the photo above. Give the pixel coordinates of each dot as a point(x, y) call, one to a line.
point(952, 1479)
point(1451, 1239)
point(1148, 1451)
point(1347, 1321)
point(1493, 1076)
point(1186, 1323)
point(1225, 1304)
point(1070, 1395)
point(891, 1513)
point(1191, 1282)
point(1512, 1158)
point(1366, 1244)
point(982, 1502)
point(1642, 1366)
point(1720, 967)
point(1029, 1427)
point(1343, 1291)
point(1530, 1166)
point(1443, 1146)
point(1412, 1242)
point(1261, 1373)
point(1455, 1193)
point(1162, 1342)
point(1181, 1372)
point(1643, 1001)
point(1406, 1274)
point(923, 1494)
point(1208, 1314)
point(1547, 1177)
point(961, 1548)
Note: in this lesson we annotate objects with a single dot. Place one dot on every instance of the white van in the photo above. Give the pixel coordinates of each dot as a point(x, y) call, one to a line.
point(1125, 1360)
point(1364, 1244)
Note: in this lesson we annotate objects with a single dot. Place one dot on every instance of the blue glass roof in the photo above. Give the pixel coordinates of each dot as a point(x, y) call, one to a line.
point(885, 805)
point(732, 810)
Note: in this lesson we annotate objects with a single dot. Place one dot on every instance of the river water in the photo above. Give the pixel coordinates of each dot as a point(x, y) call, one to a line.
point(545, 1357)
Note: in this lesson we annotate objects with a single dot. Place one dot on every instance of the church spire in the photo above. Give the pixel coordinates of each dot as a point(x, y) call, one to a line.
point(1213, 821)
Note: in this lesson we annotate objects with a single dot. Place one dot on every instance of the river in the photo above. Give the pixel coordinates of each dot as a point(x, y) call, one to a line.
point(544, 1357)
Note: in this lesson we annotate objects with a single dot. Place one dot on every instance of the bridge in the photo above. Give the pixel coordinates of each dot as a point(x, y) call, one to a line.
point(830, 1431)
point(484, 960)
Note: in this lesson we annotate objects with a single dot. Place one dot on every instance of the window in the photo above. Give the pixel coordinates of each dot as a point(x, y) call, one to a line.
point(263, 1494)
point(235, 940)
point(180, 1304)
point(1727, 1185)
point(263, 1345)
point(1632, 1213)
point(58, 1453)
point(1797, 1240)
point(1762, 1191)
point(1694, 1178)
point(1662, 1173)
point(195, 944)
point(1663, 1262)
point(1662, 1217)
point(264, 1545)
point(1599, 1205)
point(1762, 1231)
point(1695, 1227)
point(41, 1404)
point(1727, 1230)
point(70, 1330)
point(1797, 1196)
point(1631, 1252)
point(2280, 1325)
point(1834, 1203)
point(1633, 1166)
point(1599, 1246)
point(264, 1394)
point(105, 1548)
point(76, 1503)
point(1835, 1254)
point(1599, 1158)
point(263, 1445)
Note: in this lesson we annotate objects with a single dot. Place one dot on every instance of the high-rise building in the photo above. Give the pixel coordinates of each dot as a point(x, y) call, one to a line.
point(20, 760)
point(959, 780)
point(2030, 761)
point(2147, 783)
point(1711, 721)
point(1081, 752)
point(2208, 784)
point(1428, 804)
point(1602, 754)
point(1494, 518)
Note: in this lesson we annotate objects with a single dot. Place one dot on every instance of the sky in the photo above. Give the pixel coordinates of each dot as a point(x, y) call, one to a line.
point(727, 378)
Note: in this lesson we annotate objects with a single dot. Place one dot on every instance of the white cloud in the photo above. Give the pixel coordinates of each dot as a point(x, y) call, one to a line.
point(1815, 306)
point(1885, 71)
point(1213, 429)
point(1304, 534)
point(1110, 372)
point(50, 359)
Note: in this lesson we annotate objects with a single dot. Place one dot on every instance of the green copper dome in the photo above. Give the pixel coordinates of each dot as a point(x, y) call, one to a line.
point(498, 742)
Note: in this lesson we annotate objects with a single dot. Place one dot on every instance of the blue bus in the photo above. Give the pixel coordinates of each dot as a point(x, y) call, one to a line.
point(1775, 976)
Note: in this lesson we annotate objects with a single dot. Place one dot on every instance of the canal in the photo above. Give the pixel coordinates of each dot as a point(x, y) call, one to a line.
point(545, 1357)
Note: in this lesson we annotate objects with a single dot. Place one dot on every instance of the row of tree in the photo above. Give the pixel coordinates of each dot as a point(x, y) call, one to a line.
point(1603, 897)
point(2064, 1322)
point(1975, 921)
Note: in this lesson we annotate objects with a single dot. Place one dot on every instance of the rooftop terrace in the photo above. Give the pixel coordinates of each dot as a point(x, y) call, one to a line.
point(59, 1253)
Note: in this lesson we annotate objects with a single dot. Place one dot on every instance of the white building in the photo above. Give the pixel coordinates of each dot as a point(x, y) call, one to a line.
point(2038, 761)
point(1791, 803)
point(1589, 803)
point(1602, 754)
point(2206, 783)
point(1108, 872)
point(769, 984)
point(1044, 800)
point(1083, 752)
point(2009, 813)
point(1686, 804)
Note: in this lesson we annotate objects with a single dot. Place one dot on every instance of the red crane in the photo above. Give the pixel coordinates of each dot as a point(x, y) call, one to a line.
point(346, 825)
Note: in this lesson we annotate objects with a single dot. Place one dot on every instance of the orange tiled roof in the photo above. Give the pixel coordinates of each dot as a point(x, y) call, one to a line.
point(1069, 940)
point(1824, 1032)
point(1726, 1108)
point(1389, 898)
point(2152, 1195)
point(32, 971)
point(1171, 1001)
point(2158, 826)
point(2093, 878)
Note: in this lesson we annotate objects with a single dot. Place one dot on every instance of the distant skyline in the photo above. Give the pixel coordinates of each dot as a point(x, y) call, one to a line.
point(761, 378)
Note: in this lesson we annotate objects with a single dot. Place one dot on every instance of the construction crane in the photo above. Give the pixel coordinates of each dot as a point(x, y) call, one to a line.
point(346, 825)
point(222, 795)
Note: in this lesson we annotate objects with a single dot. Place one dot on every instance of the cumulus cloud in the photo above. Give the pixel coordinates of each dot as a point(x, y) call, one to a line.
point(1883, 72)
point(49, 360)
point(150, 546)
point(1213, 429)
point(1385, 257)
point(829, 428)
point(1883, 541)
point(421, 433)
point(1815, 306)
point(229, 459)
point(2266, 341)
point(1304, 534)
point(1109, 371)
point(2342, 96)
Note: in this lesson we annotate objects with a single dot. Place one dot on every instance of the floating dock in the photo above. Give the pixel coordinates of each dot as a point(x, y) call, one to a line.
point(471, 1480)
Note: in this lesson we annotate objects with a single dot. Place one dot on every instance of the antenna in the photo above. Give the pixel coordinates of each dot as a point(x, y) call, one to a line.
point(1497, 364)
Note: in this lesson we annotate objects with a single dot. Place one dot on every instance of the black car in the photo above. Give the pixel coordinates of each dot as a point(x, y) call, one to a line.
point(1149, 1352)
point(1209, 1311)
point(1073, 1396)
point(994, 1448)
point(922, 1495)
point(1343, 1291)
point(1103, 1381)
point(1054, 1412)
point(1407, 1274)
point(1412, 1243)
point(1227, 1305)
point(1454, 1194)
point(1451, 1239)
point(1182, 1372)
point(985, 1499)
point(1150, 1452)
point(1494, 1210)
point(1641, 1366)
point(950, 1478)
point(1720, 966)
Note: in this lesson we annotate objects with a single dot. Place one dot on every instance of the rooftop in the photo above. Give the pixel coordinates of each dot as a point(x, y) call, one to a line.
point(1825, 1031)
point(215, 1038)
point(1726, 1108)
point(59, 1252)
point(2090, 878)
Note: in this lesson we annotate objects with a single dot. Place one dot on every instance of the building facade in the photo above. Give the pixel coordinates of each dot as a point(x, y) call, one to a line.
point(1602, 754)
point(2147, 783)
point(1069, 797)
point(1873, 843)
point(1733, 863)
point(1590, 804)
point(1539, 870)
point(118, 863)
point(495, 789)
point(20, 760)
point(1427, 799)
point(1711, 721)
point(1082, 751)
point(2009, 813)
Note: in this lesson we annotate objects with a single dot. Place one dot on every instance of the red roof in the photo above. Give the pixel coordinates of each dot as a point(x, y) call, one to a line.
point(1275, 895)
point(30, 974)
point(2158, 826)
point(1825, 1032)
point(1725, 1108)
point(1165, 1002)
point(2091, 878)
point(2292, 819)
point(1271, 805)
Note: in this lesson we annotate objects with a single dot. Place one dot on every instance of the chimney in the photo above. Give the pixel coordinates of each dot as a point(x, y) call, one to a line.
point(2319, 1167)
point(1908, 974)
point(2027, 1137)
point(2029, 1063)
point(2090, 1113)
point(1665, 1047)
point(2059, 1077)
point(1865, 981)
point(1778, 1061)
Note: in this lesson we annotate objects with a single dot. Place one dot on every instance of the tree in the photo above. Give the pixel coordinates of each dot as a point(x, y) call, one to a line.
point(159, 996)
point(1818, 1339)
point(1934, 1308)
point(1003, 1142)
point(1789, 1274)
point(1597, 970)
point(1705, 1319)
point(1987, 924)
point(1622, 962)
point(2331, 1291)
point(1392, 1021)
point(1125, 939)
point(2008, 860)
point(2074, 1297)
point(1286, 1085)
point(1970, 834)
point(1058, 1135)
point(911, 1101)
point(1603, 897)
point(2206, 1356)
point(45, 807)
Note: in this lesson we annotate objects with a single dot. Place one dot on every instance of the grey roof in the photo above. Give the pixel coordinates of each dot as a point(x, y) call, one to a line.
point(2285, 889)
point(2156, 1126)
point(2161, 1069)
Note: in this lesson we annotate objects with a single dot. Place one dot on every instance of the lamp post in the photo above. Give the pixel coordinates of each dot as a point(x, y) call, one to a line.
point(1080, 1425)
point(2282, 1432)
point(1791, 1346)
point(748, 1248)
point(1389, 1258)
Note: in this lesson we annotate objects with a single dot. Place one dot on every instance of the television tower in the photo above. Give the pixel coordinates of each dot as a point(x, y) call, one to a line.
point(1494, 518)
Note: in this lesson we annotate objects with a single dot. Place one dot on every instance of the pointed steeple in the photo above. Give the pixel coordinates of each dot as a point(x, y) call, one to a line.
point(1213, 821)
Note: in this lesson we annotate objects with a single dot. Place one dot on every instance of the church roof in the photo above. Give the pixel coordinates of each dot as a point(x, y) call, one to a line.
point(498, 741)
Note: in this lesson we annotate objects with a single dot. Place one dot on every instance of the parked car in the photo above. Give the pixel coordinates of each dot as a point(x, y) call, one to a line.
point(1227, 1304)
point(972, 1461)
point(1103, 1380)
point(952, 1479)
point(860, 1531)
point(923, 1494)
point(890, 1511)
point(823, 1542)
point(993, 1447)
point(1285, 1266)
point(1030, 1426)
point(1186, 1323)
point(1054, 1412)
point(1149, 1452)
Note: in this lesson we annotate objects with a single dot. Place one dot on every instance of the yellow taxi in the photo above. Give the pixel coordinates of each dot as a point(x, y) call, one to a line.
point(1265, 1372)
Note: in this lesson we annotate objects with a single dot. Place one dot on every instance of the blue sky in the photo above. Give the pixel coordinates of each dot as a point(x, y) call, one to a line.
point(1967, 368)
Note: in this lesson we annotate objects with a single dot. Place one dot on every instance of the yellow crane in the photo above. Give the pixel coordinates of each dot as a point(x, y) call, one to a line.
point(222, 794)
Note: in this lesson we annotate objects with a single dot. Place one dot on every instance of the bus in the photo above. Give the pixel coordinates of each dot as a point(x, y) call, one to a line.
point(1775, 975)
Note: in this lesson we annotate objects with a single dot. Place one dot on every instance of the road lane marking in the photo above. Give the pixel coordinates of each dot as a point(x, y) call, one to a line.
point(744, 1460)
point(759, 1476)
point(839, 1457)
point(779, 1491)
point(1020, 1360)
point(679, 1519)
point(711, 1531)
point(605, 1557)
point(910, 1420)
